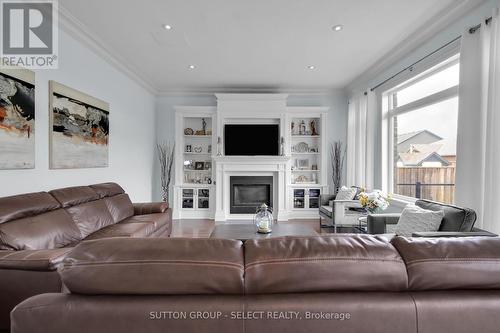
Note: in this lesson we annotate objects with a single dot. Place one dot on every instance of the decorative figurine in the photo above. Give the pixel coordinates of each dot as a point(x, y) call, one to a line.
point(302, 128)
point(219, 142)
point(204, 126)
point(312, 125)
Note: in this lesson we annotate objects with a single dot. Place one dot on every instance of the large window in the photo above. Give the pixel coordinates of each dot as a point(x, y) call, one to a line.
point(422, 124)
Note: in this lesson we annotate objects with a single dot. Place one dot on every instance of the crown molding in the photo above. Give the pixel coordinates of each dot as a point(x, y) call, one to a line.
point(76, 29)
point(214, 91)
point(419, 37)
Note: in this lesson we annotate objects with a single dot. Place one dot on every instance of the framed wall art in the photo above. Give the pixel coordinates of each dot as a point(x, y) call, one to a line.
point(17, 119)
point(79, 129)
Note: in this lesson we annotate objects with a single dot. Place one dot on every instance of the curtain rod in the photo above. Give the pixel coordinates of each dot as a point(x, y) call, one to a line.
point(471, 30)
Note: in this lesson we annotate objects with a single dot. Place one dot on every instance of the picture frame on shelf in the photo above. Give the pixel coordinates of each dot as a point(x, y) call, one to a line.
point(302, 163)
point(208, 165)
point(199, 165)
point(189, 149)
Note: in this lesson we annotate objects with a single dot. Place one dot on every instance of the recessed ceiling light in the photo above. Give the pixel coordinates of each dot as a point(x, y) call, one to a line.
point(167, 26)
point(311, 67)
point(337, 27)
point(191, 66)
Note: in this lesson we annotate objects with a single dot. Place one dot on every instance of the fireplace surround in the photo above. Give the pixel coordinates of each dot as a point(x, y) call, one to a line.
point(249, 192)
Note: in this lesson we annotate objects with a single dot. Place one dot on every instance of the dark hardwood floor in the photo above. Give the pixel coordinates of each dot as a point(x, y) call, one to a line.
point(203, 228)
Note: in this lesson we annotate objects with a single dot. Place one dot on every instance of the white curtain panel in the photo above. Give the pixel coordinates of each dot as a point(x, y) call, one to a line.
point(478, 152)
point(361, 140)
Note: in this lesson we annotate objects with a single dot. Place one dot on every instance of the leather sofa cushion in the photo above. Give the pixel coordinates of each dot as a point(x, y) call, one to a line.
point(458, 311)
point(451, 263)
point(455, 218)
point(323, 263)
point(107, 189)
point(24, 205)
point(124, 230)
point(91, 216)
point(71, 196)
point(49, 230)
point(119, 206)
point(158, 220)
point(150, 207)
point(173, 266)
point(44, 260)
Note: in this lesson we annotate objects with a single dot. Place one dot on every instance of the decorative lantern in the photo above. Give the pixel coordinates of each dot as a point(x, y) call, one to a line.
point(263, 219)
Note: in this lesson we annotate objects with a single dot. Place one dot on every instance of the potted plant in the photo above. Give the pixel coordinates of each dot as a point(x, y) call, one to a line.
point(374, 202)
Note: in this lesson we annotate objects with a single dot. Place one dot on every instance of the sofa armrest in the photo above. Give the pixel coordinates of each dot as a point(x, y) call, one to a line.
point(150, 208)
point(33, 260)
point(326, 198)
point(376, 222)
point(348, 203)
point(433, 234)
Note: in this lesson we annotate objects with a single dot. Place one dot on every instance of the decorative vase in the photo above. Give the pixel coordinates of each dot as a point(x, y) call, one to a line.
point(263, 219)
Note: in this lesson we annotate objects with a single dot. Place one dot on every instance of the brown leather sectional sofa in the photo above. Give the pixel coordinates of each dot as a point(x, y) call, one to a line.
point(340, 283)
point(37, 230)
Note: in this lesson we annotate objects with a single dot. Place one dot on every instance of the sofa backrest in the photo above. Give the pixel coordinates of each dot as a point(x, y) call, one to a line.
point(24, 205)
point(178, 266)
point(155, 266)
point(35, 221)
point(94, 207)
point(455, 218)
point(451, 263)
point(323, 263)
point(62, 217)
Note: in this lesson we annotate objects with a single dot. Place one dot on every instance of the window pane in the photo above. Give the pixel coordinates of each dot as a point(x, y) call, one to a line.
point(425, 152)
point(442, 80)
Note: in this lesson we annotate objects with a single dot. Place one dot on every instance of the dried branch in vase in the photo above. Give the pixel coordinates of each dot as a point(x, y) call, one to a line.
point(337, 156)
point(165, 152)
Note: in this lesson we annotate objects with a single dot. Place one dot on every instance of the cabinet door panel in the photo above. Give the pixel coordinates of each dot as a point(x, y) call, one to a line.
point(203, 198)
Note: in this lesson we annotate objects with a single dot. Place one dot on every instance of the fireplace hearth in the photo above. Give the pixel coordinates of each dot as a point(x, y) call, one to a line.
point(249, 192)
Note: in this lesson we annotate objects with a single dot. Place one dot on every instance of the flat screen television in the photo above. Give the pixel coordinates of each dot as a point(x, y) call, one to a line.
point(251, 140)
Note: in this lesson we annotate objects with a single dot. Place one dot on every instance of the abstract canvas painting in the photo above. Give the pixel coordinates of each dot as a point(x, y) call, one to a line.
point(17, 119)
point(79, 129)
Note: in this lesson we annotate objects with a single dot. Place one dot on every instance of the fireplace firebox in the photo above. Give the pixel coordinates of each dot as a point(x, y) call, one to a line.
point(249, 192)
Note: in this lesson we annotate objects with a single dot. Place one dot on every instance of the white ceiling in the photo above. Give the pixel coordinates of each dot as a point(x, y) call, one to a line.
point(251, 44)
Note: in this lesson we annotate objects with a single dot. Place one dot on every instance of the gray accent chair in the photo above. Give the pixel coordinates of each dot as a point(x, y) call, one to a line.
point(457, 221)
point(338, 213)
point(326, 210)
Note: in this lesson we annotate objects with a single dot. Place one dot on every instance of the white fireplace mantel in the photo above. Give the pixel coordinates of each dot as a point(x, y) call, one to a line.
point(252, 109)
point(227, 166)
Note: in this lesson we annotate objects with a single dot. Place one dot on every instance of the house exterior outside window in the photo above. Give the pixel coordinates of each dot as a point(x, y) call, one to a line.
point(422, 115)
